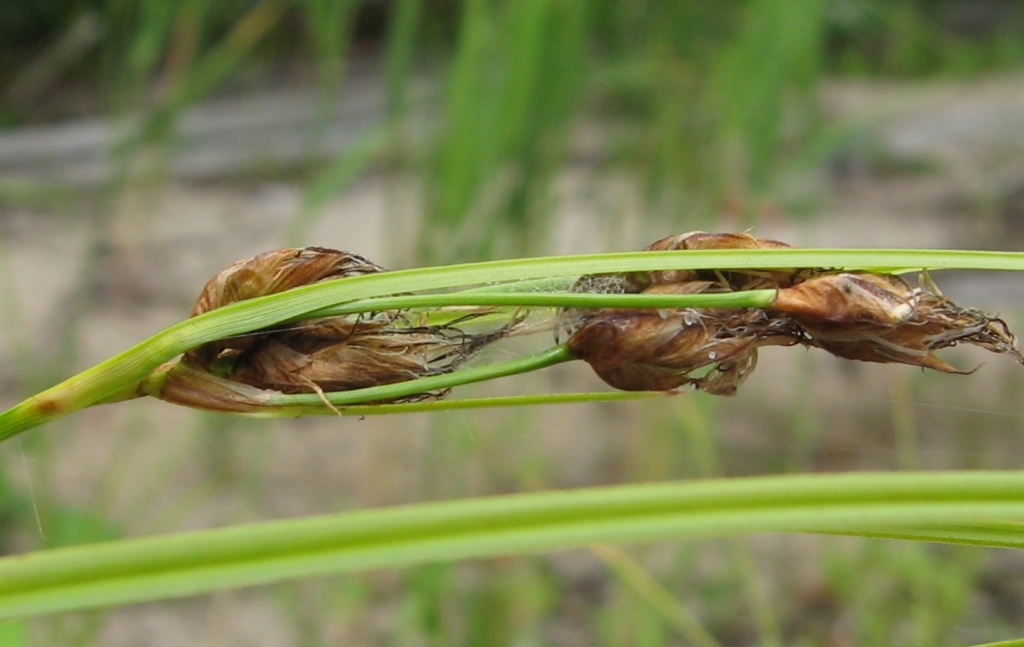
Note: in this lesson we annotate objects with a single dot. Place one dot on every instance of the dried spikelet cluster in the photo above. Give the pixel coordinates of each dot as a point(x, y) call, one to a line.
point(327, 354)
point(854, 315)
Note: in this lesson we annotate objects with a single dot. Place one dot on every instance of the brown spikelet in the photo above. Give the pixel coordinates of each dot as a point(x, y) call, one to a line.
point(326, 354)
point(269, 273)
point(854, 315)
point(731, 280)
point(848, 302)
point(643, 350)
point(340, 355)
point(277, 271)
point(879, 318)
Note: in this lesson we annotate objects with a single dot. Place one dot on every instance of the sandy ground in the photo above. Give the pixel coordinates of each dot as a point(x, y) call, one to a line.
point(146, 258)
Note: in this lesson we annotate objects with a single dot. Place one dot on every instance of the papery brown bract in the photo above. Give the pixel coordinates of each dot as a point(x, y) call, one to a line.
point(199, 389)
point(336, 355)
point(340, 355)
point(645, 350)
point(326, 354)
point(277, 271)
point(725, 378)
point(269, 273)
point(880, 318)
point(848, 302)
point(724, 280)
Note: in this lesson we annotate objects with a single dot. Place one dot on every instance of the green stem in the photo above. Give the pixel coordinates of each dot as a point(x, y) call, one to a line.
point(458, 404)
point(535, 362)
point(487, 403)
point(152, 568)
point(748, 299)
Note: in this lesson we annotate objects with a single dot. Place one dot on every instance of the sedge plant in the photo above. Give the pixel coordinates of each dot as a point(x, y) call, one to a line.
point(976, 508)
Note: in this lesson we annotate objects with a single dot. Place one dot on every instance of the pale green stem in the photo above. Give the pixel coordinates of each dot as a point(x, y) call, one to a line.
point(747, 299)
point(487, 403)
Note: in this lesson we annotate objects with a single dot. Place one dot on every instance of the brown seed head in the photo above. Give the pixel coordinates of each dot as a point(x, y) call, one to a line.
point(644, 350)
point(268, 273)
point(340, 355)
point(879, 318)
point(731, 280)
point(854, 315)
point(847, 302)
point(277, 271)
point(328, 354)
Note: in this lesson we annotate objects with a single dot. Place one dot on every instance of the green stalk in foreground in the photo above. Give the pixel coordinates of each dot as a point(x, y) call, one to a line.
point(137, 370)
point(957, 507)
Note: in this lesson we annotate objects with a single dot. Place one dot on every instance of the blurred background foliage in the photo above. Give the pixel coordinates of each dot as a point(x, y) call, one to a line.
point(707, 110)
point(705, 105)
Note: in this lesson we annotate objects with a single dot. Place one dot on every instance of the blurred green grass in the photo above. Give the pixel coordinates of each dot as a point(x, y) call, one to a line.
point(703, 105)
